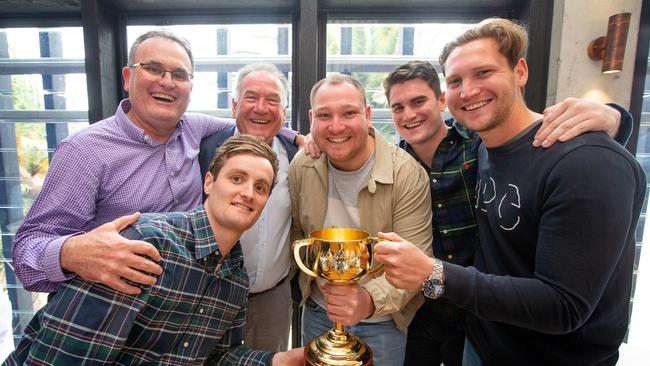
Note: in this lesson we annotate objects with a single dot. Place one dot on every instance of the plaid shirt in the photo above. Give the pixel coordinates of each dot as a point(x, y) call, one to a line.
point(452, 178)
point(196, 308)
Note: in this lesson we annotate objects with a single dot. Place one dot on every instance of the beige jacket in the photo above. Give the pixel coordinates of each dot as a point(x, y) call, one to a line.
point(397, 199)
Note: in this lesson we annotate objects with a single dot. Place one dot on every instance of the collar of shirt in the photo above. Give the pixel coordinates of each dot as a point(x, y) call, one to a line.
point(456, 133)
point(204, 240)
point(135, 132)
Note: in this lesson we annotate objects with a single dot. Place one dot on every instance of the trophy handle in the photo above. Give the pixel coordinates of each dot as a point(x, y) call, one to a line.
point(296, 255)
point(374, 271)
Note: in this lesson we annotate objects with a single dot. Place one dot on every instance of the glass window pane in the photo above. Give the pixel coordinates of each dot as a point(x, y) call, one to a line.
point(220, 50)
point(368, 52)
point(43, 99)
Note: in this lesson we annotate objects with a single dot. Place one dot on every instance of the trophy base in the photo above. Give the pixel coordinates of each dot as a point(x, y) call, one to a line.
point(336, 348)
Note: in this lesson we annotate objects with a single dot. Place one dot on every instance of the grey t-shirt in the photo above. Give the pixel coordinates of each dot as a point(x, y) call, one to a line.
point(343, 210)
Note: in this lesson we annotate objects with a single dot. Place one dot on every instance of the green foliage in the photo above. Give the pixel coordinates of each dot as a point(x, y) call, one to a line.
point(26, 93)
point(31, 139)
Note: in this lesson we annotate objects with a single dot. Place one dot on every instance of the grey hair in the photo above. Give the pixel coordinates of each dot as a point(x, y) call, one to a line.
point(161, 34)
point(266, 67)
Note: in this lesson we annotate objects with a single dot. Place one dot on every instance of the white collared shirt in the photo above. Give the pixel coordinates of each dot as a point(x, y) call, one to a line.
point(266, 244)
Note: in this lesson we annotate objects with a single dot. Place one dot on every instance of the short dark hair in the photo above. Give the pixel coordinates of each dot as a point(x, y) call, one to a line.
point(511, 38)
point(161, 34)
point(336, 79)
point(413, 70)
point(243, 145)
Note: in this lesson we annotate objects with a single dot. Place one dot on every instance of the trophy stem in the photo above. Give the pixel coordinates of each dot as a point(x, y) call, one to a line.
point(337, 347)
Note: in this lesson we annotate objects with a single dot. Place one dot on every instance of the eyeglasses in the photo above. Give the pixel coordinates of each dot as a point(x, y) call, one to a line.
point(155, 70)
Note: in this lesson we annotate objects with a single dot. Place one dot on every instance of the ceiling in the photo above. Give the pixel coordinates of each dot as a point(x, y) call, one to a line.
point(70, 7)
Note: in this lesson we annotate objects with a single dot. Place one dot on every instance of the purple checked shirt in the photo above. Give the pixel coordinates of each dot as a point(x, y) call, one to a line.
point(110, 169)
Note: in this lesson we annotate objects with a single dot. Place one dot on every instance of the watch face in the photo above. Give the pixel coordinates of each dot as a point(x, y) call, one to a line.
point(432, 290)
point(433, 286)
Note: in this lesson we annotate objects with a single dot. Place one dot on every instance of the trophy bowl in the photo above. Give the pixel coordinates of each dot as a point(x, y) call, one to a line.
point(337, 255)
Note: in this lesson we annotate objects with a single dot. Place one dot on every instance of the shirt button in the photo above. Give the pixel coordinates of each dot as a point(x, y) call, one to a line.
point(444, 231)
point(434, 180)
point(200, 311)
point(176, 202)
point(171, 174)
point(451, 142)
point(440, 205)
point(450, 256)
point(186, 344)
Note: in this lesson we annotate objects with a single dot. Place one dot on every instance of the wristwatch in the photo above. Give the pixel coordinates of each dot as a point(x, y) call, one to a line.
point(434, 286)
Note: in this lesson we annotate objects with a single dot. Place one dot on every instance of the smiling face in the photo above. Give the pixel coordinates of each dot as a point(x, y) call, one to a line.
point(483, 90)
point(259, 110)
point(238, 194)
point(340, 121)
point(158, 103)
point(417, 112)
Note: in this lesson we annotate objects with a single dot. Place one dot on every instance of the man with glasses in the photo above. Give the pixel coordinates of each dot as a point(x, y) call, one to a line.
point(144, 158)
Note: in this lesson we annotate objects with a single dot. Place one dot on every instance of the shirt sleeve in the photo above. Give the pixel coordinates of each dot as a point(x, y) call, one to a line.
point(85, 323)
point(64, 207)
point(231, 351)
point(584, 231)
point(625, 127)
point(412, 221)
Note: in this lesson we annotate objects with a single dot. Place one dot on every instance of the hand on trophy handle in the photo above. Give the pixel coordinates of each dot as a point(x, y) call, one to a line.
point(292, 357)
point(347, 303)
point(405, 265)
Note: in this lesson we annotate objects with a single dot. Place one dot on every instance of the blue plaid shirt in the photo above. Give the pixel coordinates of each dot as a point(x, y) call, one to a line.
point(452, 179)
point(194, 314)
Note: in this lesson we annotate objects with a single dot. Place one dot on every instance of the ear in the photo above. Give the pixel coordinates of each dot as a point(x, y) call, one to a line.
point(311, 119)
point(233, 112)
point(442, 102)
point(126, 75)
point(369, 116)
point(207, 183)
point(521, 73)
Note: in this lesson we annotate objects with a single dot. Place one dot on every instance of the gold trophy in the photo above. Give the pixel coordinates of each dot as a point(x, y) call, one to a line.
point(337, 255)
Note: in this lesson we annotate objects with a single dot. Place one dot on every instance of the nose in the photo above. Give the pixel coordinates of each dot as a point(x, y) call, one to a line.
point(468, 89)
point(166, 79)
point(409, 113)
point(260, 105)
point(336, 126)
point(247, 191)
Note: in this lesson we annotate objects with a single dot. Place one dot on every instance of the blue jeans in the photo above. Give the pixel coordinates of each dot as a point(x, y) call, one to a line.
point(388, 343)
point(470, 356)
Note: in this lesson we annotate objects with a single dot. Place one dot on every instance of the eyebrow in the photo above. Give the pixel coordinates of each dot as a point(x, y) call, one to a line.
point(410, 100)
point(158, 63)
point(248, 91)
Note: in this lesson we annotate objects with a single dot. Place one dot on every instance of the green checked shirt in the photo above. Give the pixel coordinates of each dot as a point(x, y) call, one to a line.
point(194, 314)
point(452, 180)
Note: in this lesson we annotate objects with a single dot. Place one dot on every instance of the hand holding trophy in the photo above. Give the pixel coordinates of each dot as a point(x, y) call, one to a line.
point(338, 255)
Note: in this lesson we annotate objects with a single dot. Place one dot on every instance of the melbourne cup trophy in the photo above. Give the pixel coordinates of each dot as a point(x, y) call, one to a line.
point(337, 255)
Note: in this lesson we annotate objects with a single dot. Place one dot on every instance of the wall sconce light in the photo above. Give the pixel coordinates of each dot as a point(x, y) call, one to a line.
point(611, 48)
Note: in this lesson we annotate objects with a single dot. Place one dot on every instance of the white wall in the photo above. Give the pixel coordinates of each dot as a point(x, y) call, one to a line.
point(571, 72)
